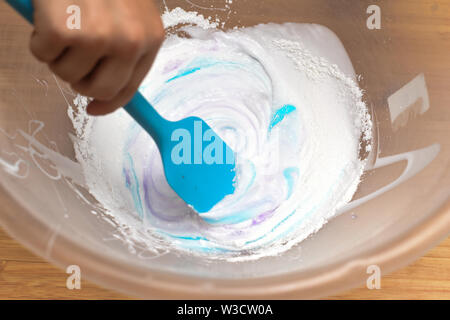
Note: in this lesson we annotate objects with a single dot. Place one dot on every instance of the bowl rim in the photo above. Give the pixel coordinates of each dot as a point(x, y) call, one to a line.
point(137, 282)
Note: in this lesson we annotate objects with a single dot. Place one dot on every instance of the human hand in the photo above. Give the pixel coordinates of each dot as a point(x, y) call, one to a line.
point(109, 56)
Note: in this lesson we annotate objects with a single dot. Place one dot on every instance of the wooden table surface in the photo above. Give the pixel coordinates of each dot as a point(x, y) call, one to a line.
point(26, 276)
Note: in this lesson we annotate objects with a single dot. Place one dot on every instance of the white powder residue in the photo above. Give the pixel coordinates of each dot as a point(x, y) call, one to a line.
point(316, 68)
point(179, 16)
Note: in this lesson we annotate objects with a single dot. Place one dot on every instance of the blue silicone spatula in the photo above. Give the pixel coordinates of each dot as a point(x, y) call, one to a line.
point(201, 172)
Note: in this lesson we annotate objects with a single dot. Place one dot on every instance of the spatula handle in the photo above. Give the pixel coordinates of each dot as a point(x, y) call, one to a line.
point(24, 7)
point(143, 112)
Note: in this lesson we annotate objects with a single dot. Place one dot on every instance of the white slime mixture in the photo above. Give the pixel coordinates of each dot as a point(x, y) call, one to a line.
point(282, 96)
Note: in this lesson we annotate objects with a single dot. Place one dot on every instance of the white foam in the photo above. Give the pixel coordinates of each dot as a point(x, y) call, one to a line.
point(291, 179)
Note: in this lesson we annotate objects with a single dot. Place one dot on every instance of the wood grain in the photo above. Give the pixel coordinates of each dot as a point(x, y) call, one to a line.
point(23, 275)
point(26, 276)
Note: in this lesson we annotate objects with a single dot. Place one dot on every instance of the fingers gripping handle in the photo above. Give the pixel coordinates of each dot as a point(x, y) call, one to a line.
point(138, 107)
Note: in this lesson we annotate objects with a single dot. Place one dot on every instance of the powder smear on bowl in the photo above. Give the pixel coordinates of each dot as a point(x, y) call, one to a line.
point(284, 97)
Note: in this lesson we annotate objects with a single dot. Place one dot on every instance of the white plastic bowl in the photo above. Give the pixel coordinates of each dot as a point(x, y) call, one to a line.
point(400, 211)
